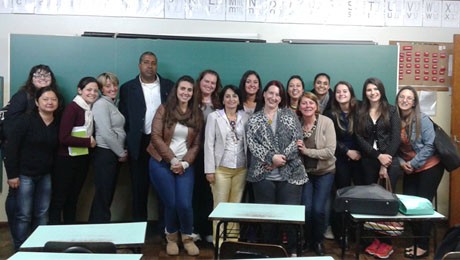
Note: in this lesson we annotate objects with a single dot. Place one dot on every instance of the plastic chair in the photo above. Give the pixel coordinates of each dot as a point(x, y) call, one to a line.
point(451, 255)
point(244, 250)
point(80, 247)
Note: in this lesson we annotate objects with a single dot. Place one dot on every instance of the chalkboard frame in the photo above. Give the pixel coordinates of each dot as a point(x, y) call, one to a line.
point(73, 57)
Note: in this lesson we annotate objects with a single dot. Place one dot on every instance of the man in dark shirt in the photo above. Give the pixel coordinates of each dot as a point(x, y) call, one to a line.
point(139, 100)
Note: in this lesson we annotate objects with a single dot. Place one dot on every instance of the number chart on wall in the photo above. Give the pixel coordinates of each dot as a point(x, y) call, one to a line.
point(424, 64)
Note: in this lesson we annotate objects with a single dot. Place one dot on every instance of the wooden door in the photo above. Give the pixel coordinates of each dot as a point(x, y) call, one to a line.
point(454, 195)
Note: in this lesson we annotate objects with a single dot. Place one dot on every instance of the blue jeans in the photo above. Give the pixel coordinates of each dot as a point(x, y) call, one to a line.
point(314, 196)
point(175, 191)
point(10, 208)
point(33, 200)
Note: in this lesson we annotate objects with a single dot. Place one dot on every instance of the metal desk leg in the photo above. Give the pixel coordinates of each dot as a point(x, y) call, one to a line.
point(344, 235)
point(216, 246)
point(358, 239)
point(299, 240)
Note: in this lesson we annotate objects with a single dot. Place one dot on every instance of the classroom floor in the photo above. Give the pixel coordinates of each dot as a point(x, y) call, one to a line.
point(154, 247)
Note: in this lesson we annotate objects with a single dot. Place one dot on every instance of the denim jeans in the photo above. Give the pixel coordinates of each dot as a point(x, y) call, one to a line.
point(175, 191)
point(10, 208)
point(33, 200)
point(314, 196)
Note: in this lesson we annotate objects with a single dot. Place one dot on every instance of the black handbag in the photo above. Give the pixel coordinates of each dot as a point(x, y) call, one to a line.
point(366, 199)
point(446, 149)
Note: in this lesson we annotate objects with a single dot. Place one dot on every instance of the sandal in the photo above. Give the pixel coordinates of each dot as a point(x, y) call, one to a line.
point(409, 254)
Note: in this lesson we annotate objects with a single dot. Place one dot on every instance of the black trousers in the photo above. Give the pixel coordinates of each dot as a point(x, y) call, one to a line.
point(67, 180)
point(106, 169)
point(202, 199)
point(140, 182)
point(423, 184)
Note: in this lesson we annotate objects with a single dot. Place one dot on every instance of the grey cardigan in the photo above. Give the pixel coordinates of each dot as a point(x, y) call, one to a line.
point(109, 122)
point(264, 144)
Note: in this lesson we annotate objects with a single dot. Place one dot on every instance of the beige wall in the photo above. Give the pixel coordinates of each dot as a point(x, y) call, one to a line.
point(76, 25)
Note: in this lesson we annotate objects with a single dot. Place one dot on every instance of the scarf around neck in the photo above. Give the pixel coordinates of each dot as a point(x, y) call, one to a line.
point(88, 114)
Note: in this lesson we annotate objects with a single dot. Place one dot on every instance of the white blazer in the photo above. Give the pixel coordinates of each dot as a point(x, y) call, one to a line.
point(217, 128)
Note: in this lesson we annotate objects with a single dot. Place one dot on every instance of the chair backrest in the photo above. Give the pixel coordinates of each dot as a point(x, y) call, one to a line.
point(244, 250)
point(451, 255)
point(80, 247)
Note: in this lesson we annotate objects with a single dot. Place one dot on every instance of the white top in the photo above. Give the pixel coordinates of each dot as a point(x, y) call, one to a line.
point(72, 256)
point(152, 96)
point(132, 233)
point(253, 212)
point(179, 141)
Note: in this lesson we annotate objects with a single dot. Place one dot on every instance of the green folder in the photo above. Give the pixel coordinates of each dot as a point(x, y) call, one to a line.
point(78, 131)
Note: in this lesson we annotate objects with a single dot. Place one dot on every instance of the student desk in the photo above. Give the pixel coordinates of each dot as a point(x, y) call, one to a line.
point(359, 219)
point(130, 235)
point(74, 256)
point(258, 213)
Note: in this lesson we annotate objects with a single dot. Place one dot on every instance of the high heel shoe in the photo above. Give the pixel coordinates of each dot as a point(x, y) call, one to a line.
point(319, 249)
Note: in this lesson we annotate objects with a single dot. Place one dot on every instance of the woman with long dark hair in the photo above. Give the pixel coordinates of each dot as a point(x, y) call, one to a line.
point(422, 168)
point(23, 101)
point(251, 91)
point(175, 142)
point(379, 135)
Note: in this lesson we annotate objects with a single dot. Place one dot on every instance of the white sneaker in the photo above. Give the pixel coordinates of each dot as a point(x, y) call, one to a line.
point(209, 239)
point(328, 234)
point(196, 237)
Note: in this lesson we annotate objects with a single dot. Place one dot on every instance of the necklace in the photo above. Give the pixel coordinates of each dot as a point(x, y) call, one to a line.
point(308, 133)
point(270, 117)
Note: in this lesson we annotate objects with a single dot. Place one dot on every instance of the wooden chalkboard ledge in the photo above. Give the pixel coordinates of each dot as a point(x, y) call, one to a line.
point(427, 88)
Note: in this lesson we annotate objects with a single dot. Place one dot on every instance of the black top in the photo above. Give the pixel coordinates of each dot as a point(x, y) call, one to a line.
point(31, 149)
point(388, 138)
point(345, 140)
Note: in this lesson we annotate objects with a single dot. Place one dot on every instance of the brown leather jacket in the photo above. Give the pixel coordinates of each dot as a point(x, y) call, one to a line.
point(161, 139)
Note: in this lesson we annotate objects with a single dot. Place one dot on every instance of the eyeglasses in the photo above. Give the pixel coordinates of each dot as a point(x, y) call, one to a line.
point(43, 76)
point(401, 97)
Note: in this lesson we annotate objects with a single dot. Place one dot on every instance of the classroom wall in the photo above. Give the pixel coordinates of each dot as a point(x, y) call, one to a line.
point(76, 25)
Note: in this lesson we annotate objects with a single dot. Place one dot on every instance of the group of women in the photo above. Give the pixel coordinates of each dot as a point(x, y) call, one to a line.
point(208, 142)
point(47, 150)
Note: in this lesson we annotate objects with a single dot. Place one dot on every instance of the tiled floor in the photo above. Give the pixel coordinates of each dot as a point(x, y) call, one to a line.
point(154, 247)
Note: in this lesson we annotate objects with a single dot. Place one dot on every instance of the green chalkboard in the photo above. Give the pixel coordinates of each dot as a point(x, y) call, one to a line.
point(72, 58)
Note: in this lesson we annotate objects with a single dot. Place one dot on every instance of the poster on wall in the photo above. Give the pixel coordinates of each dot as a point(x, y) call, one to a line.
point(424, 63)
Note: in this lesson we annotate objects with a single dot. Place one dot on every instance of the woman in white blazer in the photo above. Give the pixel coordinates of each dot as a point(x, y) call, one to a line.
point(225, 149)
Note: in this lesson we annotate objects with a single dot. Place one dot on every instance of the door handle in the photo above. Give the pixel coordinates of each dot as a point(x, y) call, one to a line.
point(456, 139)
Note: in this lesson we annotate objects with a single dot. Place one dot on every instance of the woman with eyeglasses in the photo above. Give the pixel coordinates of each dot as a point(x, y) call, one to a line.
point(23, 101)
point(422, 168)
point(378, 134)
point(225, 150)
point(110, 149)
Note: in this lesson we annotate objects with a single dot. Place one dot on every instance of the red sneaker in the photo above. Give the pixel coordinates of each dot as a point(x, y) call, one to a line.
point(384, 251)
point(372, 248)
